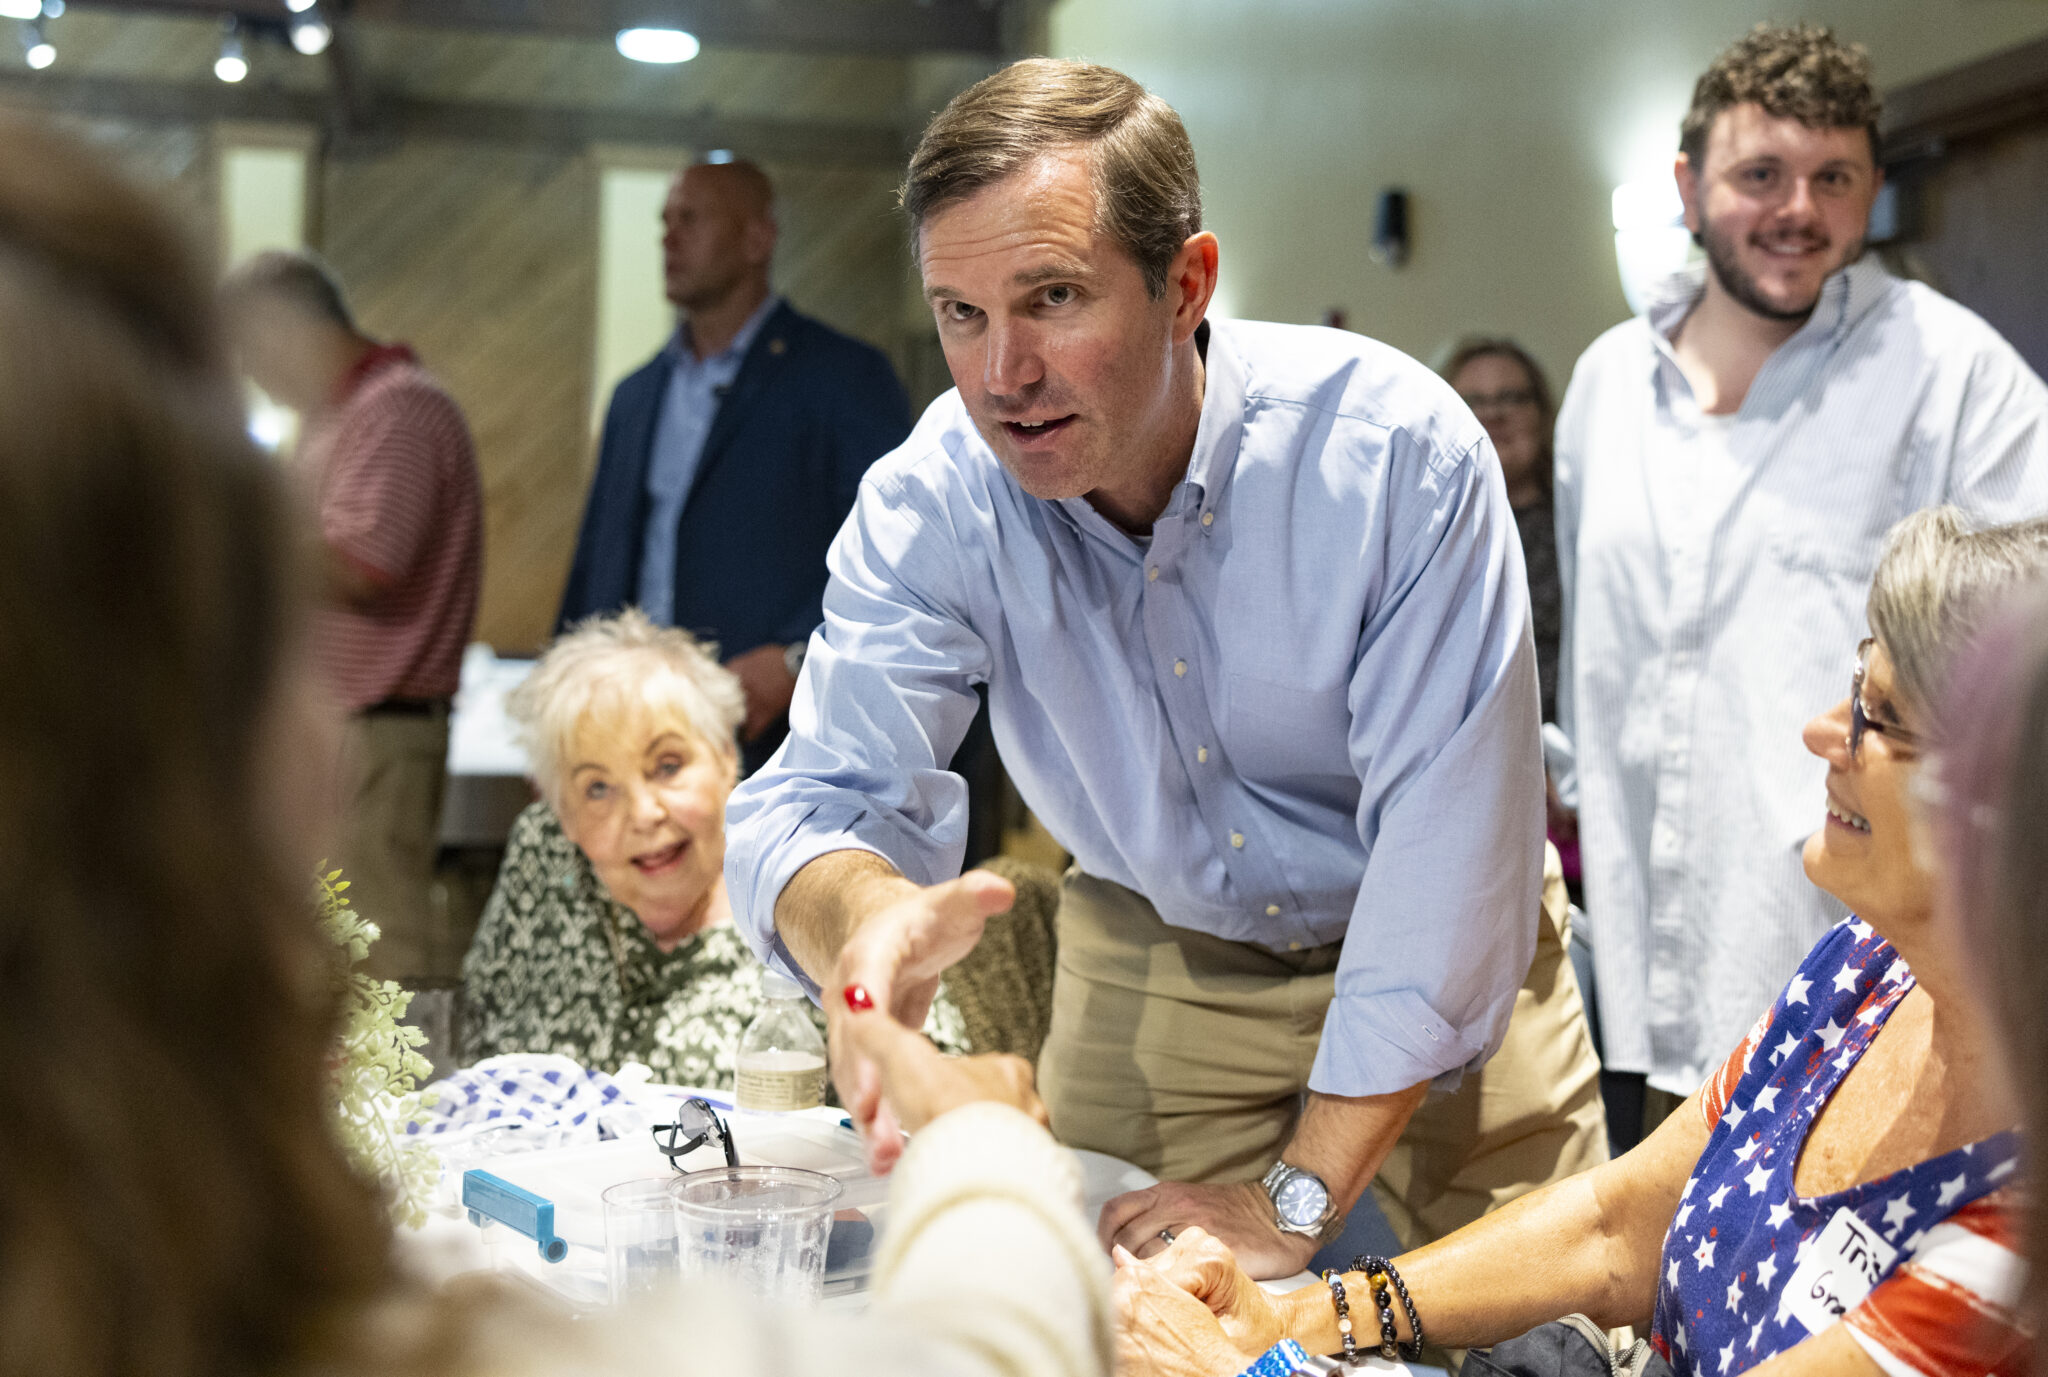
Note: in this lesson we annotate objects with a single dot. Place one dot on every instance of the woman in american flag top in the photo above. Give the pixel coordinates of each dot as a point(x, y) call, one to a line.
point(1842, 1196)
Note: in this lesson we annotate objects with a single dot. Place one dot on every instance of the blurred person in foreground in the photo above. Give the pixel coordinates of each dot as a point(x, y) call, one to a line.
point(609, 937)
point(1990, 800)
point(730, 458)
point(387, 457)
point(1842, 1195)
point(1727, 466)
point(173, 1199)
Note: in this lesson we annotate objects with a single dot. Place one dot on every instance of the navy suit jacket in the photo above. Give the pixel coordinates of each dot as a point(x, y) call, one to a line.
point(807, 413)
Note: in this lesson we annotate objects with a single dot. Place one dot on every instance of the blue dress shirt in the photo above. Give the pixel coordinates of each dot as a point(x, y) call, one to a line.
point(1304, 712)
point(684, 424)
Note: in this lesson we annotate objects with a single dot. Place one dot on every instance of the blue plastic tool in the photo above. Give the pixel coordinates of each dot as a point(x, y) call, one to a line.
point(495, 1198)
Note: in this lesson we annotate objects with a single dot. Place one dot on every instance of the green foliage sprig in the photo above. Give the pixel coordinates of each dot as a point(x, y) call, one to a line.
point(378, 1068)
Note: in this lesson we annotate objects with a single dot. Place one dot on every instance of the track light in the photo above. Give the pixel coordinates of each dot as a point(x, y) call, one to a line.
point(300, 6)
point(37, 50)
point(232, 64)
point(657, 45)
point(310, 34)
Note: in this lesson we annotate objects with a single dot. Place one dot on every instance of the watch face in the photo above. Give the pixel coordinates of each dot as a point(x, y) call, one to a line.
point(1301, 1200)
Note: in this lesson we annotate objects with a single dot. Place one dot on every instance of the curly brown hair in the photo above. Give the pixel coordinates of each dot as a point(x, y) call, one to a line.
point(1794, 71)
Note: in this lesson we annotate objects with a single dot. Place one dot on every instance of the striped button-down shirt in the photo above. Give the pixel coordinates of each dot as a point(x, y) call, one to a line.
point(1715, 571)
point(395, 479)
point(1303, 712)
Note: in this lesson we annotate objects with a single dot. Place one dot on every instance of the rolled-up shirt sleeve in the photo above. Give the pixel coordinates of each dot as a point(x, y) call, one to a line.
point(886, 696)
point(1444, 736)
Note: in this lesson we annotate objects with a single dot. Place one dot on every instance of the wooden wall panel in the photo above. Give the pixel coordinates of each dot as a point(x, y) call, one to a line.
point(483, 258)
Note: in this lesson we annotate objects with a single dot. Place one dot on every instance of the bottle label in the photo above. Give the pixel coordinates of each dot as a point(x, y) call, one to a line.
point(780, 1081)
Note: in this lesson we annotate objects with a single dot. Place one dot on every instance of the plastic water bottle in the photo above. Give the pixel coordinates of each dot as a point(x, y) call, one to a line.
point(781, 1060)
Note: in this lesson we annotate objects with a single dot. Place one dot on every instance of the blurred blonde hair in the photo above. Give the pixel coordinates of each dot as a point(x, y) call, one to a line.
point(612, 668)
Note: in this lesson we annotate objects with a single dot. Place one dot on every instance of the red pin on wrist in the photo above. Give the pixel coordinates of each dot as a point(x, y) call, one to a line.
point(857, 998)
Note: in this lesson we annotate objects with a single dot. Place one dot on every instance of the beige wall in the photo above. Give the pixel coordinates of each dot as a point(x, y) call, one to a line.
point(1508, 122)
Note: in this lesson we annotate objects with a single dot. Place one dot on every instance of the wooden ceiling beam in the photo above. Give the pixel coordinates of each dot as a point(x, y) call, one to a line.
point(889, 28)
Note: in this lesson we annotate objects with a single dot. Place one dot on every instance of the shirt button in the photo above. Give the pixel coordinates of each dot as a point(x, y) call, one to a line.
point(1273, 911)
point(1208, 518)
point(1201, 755)
point(1237, 840)
point(1180, 668)
point(1152, 573)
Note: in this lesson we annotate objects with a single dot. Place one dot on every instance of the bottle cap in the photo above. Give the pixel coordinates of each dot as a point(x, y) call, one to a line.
point(775, 985)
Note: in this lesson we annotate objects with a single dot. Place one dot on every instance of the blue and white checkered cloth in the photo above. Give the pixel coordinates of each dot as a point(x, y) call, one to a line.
point(521, 1090)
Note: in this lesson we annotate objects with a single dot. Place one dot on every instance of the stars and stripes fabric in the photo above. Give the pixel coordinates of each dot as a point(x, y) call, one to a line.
point(1921, 1264)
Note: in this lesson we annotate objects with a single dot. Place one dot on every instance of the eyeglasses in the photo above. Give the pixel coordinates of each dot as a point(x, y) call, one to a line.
point(1861, 721)
point(696, 1123)
point(1504, 399)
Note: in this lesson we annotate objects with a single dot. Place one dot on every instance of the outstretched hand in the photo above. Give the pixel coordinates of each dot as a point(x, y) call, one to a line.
point(892, 964)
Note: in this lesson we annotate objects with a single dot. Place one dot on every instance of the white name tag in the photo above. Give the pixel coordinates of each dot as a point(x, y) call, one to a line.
point(1841, 1264)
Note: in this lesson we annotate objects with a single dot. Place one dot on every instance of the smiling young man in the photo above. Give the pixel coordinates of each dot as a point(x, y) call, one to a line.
point(1250, 609)
point(1727, 466)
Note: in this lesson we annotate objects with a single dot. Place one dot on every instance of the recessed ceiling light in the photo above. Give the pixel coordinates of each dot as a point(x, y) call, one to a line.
point(310, 35)
point(31, 9)
point(657, 45)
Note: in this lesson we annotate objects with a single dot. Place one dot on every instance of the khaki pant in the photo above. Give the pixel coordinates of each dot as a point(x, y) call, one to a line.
point(393, 769)
point(1188, 1055)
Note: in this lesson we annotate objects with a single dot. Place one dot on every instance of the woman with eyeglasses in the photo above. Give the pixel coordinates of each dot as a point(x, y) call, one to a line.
point(174, 1200)
point(1840, 1196)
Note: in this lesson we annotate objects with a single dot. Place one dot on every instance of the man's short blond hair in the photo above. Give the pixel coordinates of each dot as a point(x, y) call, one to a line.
point(615, 668)
point(1148, 196)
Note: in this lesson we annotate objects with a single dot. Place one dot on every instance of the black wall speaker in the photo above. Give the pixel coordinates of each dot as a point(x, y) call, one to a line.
point(1390, 228)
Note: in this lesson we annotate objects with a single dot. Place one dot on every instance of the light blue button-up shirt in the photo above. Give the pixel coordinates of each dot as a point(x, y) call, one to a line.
point(688, 407)
point(1305, 711)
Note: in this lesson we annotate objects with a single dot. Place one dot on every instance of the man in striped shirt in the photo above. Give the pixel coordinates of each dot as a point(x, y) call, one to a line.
point(388, 459)
point(1727, 467)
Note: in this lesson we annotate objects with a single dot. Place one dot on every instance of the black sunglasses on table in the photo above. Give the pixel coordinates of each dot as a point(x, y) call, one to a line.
point(696, 1123)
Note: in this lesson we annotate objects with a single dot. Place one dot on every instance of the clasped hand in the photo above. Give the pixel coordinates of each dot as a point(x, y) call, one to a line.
point(1190, 1311)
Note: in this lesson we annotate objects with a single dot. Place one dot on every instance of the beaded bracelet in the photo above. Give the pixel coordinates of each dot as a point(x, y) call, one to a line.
point(1343, 1305)
point(1281, 1360)
point(1379, 1274)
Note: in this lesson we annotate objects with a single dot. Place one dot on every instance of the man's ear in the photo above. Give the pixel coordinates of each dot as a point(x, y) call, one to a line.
point(1191, 283)
point(761, 239)
point(1688, 180)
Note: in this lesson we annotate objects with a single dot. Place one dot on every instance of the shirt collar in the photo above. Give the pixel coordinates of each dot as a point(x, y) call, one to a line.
point(374, 360)
point(1846, 297)
point(679, 351)
point(1216, 434)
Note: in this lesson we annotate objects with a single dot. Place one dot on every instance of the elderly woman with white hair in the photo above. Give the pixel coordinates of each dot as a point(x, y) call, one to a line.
point(608, 938)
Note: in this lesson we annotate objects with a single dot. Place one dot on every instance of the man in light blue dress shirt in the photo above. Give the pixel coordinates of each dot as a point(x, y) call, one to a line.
point(1250, 609)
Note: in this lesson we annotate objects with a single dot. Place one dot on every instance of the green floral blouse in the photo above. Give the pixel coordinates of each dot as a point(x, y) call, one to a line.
point(558, 966)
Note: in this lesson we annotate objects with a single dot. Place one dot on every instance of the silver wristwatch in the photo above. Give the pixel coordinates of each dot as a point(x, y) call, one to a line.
point(1301, 1202)
point(793, 657)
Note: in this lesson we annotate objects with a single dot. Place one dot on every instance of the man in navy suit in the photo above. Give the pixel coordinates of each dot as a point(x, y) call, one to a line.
point(731, 458)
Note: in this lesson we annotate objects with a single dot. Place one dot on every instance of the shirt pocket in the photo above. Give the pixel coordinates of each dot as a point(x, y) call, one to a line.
point(1275, 730)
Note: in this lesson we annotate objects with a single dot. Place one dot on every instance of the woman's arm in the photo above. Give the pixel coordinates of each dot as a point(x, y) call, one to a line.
point(1586, 1244)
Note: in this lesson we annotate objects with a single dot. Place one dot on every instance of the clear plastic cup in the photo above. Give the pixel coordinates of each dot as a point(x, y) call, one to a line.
point(640, 1242)
point(764, 1228)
